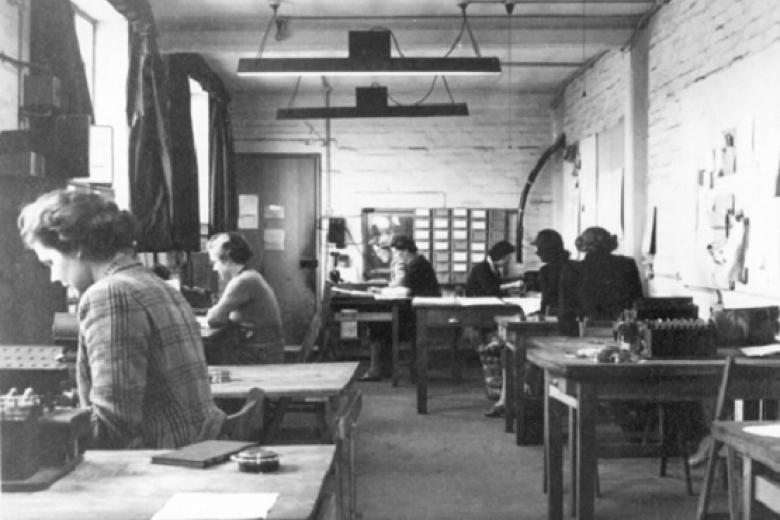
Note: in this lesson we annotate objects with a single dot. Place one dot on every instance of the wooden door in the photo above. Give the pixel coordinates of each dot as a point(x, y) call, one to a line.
point(278, 212)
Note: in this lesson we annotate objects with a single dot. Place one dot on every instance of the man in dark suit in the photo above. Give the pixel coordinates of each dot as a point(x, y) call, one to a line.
point(485, 277)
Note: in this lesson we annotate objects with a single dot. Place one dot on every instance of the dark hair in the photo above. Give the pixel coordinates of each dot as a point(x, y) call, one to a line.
point(596, 240)
point(500, 250)
point(230, 246)
point(403, 243)
point(548, 240)
point(78, 222)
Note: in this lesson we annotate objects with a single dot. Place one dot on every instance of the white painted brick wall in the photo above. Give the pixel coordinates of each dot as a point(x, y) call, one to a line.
point(689, 41)
point(414, 162)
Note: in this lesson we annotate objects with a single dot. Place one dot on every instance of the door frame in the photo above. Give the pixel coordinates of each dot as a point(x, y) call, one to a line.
point(318, 227)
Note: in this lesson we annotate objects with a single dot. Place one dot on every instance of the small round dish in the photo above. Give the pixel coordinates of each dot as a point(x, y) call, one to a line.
point(256, 460)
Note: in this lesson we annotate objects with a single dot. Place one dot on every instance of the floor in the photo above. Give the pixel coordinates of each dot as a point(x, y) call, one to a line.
point(454, 463)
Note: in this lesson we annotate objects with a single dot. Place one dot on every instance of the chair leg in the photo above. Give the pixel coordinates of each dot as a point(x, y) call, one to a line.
point(686, 466)
point(706, 486)
point(353, 514)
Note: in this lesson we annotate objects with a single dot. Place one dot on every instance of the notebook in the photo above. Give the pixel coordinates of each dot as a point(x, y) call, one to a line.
point(201, 454)
point(217, 506)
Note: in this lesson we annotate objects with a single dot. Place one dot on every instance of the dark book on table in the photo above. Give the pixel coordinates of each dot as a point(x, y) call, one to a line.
point(201, 454)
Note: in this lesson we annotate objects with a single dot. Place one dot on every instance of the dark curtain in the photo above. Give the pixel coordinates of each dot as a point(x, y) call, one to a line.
point(223, 199)
point(62, 135)
point(150, 168)
point(223, 213)
point(186, 218)
point(53, 42)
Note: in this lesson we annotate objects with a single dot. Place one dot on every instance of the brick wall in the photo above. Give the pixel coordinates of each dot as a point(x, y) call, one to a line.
point(689, 42)
point(412, 162)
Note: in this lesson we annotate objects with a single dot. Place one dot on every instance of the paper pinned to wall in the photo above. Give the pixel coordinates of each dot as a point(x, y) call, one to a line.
point(273, 239)
point(273, 211)
point(248, 211)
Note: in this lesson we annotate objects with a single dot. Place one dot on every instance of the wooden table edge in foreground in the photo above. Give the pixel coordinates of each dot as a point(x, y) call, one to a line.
point(124, 484)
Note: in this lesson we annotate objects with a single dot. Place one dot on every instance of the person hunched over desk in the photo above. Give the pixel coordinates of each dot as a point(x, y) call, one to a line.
point(140, 366)
point(419, 279)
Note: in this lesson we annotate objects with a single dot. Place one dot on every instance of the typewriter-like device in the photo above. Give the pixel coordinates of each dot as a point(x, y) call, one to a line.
point(42, 432)
point(666, 328)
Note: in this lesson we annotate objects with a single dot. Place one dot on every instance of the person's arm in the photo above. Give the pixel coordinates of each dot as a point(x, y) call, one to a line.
point(233, 297)
point(482, 282)
point(113, 363)
point(517, 284)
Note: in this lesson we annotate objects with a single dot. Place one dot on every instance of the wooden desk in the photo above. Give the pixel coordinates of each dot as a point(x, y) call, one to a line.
point(760, 464)
point(580, 384)
point(125, 485)
point(372, 310)
point(454, 314)
point(515, 333)
point(285, 382)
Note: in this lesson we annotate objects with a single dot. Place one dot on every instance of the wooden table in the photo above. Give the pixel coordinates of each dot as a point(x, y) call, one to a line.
point(515, 333)
point(125, 485)
point(580, 384)
point(452, 313)
point(372, 309)
point(760, 464)
point(284, 382)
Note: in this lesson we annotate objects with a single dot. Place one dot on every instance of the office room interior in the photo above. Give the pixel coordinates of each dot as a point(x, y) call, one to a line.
point(657, 120)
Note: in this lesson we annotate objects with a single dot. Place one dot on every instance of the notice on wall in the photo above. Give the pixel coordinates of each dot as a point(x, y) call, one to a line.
point(273, 211)
point(273, 239)
point(248, 212)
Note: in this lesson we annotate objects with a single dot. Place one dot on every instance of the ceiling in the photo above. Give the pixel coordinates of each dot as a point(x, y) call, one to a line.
point(550, 40)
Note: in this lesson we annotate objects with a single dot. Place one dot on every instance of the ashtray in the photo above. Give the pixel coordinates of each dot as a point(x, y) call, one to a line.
point(256, 460)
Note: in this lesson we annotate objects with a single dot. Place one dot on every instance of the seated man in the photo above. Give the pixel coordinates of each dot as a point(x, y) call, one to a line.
point(418, 279)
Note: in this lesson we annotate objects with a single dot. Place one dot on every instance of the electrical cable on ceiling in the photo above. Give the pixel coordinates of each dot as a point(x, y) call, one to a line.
point(510, 7)
point(264, 39)
point(585, 72)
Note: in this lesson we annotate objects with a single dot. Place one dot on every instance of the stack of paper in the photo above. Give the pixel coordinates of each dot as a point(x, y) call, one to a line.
point(217, 506)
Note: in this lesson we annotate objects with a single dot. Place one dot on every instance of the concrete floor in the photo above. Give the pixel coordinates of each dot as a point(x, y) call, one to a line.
point(454, 463)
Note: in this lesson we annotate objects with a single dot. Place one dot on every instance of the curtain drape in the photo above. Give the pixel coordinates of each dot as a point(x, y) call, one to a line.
point(223, 199)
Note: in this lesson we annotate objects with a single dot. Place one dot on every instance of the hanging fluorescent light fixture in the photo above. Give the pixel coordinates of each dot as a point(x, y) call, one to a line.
point(372, 102)
point(369, 54)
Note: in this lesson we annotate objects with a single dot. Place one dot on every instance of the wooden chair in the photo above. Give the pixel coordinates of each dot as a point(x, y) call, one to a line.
point(247, 423)
point(305, 353)
point(743, 379)
point(346, 427)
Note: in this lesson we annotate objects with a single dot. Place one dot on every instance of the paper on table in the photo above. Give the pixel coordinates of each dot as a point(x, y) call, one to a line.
point(202, 322)
point(528, 304)
point(217, 506)
point(762, 350)
point(351, 292)
point(765, 430)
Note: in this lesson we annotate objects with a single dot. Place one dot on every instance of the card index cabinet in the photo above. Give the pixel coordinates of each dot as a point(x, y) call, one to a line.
point(455, 239)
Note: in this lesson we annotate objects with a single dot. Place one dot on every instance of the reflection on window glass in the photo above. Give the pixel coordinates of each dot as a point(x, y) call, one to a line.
point(379, 227)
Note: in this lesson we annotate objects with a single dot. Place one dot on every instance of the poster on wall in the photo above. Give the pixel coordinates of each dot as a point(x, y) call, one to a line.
point(731, 134)
point(248, 212)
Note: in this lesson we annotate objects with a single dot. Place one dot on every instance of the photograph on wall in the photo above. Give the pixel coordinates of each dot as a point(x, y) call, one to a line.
point(379, 227)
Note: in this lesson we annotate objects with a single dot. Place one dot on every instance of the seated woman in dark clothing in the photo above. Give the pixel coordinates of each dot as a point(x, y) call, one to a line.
point(608, 283)
point(558, 279)
point(419, 279)
point(485, 277)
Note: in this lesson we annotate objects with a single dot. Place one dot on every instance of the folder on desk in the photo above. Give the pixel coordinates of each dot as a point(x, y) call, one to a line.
point(217, 506)
point(201, 454)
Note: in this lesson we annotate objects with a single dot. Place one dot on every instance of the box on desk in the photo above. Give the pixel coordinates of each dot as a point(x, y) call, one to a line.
point(665, 308)
point(676, 338)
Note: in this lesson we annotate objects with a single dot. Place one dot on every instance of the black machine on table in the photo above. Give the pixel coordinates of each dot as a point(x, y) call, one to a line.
point(41, 441)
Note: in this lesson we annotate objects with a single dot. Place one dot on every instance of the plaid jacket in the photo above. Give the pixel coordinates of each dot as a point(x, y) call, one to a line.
point(141, 365)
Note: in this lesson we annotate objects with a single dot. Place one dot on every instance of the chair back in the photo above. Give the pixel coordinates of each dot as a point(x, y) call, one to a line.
point(247, 423)
point(310, 338)
point(747, 378)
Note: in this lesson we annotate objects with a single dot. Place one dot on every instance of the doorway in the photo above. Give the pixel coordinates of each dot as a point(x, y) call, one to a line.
point(279, 205)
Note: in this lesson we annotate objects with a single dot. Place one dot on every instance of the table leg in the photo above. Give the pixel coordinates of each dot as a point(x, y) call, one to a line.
point(586, 450)
point(395, 327)
point(422, 363)
point(457, 374)
point(733, 479)
point(508, 362)
point(572, 427)
point(748, 489)
point(553, 450)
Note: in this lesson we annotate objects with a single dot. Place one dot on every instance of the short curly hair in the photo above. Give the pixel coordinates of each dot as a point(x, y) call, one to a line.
point(78, 222)
point(596, 240)
point(230, 246)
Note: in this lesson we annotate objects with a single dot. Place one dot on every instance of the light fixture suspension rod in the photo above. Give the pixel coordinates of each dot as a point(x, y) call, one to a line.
point(509, 6)
point(474, 44)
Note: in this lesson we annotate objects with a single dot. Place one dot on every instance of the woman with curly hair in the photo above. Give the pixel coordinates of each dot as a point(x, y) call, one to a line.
point(140, 363)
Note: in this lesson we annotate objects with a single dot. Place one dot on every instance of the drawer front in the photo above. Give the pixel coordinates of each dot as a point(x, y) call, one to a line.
point(468, 317)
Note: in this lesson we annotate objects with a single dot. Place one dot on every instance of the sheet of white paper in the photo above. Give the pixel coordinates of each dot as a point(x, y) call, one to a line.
point(202, 322)
point(528, 304)
point(764, 430)
point(273, 239)
point(217, 506)
point(762, 350)
point(487, 300)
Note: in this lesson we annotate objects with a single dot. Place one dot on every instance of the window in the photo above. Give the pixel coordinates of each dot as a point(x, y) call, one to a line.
point(85, 32)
